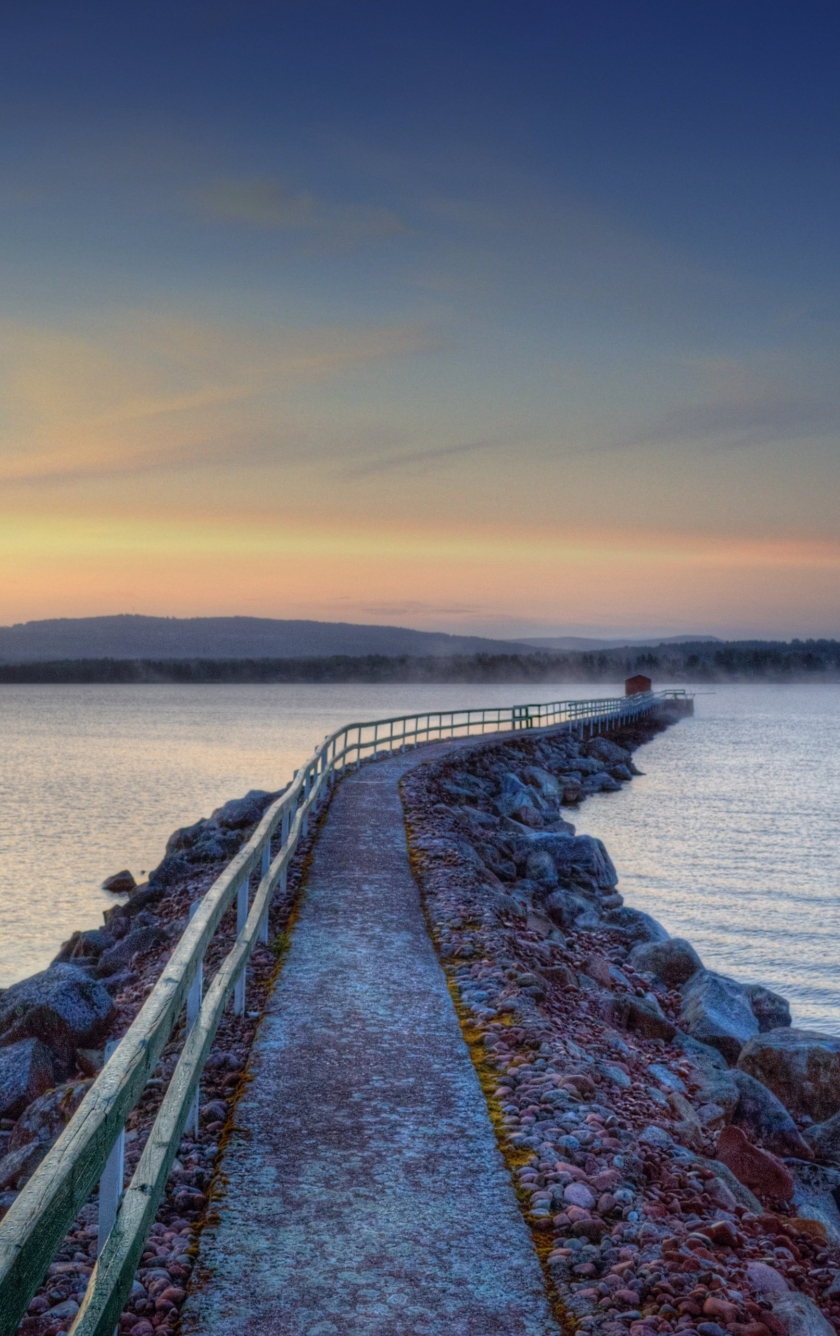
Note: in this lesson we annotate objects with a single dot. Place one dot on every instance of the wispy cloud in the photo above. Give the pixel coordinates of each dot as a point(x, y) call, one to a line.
point(736, 425)
point(151, 392)
point(420, 460)
point(266, 203)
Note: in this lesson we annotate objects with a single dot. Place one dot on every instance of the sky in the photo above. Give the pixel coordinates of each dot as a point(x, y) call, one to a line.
point(503, 318)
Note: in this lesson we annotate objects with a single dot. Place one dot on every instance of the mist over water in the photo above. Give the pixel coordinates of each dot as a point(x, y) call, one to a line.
point(731, 839)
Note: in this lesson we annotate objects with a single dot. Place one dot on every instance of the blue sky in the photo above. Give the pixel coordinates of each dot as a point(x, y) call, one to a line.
point(474, 316)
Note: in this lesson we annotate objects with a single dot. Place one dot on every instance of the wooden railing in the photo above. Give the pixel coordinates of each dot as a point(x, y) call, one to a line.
point(88, 1151)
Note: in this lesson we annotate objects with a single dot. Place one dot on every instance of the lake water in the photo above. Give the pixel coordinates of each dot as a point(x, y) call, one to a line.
point(731, 839)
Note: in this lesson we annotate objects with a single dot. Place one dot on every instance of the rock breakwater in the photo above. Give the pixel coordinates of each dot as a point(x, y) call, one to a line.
point(53, 1027)
point(675, 1142)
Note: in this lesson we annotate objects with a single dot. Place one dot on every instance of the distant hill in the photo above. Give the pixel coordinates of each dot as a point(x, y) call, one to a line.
point(582, 643)
point(135, 637)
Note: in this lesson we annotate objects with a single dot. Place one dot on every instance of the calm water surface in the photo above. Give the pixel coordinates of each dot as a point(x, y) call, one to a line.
point(731, 839)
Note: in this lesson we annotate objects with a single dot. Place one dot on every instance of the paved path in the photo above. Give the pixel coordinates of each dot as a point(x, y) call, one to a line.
point(366, 1193)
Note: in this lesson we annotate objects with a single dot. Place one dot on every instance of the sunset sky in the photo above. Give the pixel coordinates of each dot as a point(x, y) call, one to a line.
point(509, 318)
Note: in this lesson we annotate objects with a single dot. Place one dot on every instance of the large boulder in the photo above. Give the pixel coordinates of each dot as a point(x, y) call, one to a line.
point(801, 1067)
point(771, 1010)
point(566, 909)
point(765, 1119)
point(175, 869)
point(578, 858)
point(546, 784)
point(824, 1139)
point(635, 924)
point(121, 883)
point(716, 1010)
point(46, 1118)
point(608, 752)
point(799, 1316)
point(516, 796)
point(757, 1169)
point(19, 1164)
point(87, 945)
point(26, 1071)
point(242, 812)
point(540, 868)
point(61, 1006)
point(601, 782)
point(815, 1195)
point(135, 942)
point(674, 961)
point(639, 1015)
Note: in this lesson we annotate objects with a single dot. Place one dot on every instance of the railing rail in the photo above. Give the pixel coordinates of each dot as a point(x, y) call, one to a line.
point(38, 1220)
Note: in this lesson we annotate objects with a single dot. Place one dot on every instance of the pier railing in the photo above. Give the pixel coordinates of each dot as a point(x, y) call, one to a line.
point(89, 1151)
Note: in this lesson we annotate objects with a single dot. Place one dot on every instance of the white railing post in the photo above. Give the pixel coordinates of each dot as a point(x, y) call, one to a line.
point(307, 785)
point(284, 835)
point(111, 1182)
point(264, 866)
point(194, 997)
point(241, 919)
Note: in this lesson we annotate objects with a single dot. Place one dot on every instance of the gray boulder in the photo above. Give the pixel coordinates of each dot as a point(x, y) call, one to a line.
point(143, 900)
point(61, 1006)
point(635, 924)
point(703, 1057)
point(800, 1316)
point(674, 961)
point(815, 1191)
point(639, 1015)
point(771, 1010)
point(540, 868)
point(492, 857)
point(580, 858)
point(174, 869)
point(26, 1071)
point(601, 783)
point(608, 752)
point(121, 883)
point(824, 1139)
point(566, 909)
point(45, 1119)
point(247, 811)
point(137, 941)
point(801, 1067)
point(716, 1010)
point(204, 842)
point(478, 823)
point(765, 1119)
point(514, 796)
point(20, 1164)
point(547, 786)
point(85, 946)
point(587, 765)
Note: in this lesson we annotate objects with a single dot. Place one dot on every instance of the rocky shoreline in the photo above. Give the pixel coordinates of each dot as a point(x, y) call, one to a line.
point(53, 1028)
point(674, 1141)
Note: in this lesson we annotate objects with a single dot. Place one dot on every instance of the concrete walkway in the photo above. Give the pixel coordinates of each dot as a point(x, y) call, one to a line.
point(366, 1195)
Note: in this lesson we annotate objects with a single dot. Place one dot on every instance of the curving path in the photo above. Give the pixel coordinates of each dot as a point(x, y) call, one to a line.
point(366, 1195)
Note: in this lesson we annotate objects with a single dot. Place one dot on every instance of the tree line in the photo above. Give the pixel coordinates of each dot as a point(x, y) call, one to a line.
point(713, 661)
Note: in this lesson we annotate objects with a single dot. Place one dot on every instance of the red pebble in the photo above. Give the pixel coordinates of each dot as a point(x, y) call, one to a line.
point(720, 1308)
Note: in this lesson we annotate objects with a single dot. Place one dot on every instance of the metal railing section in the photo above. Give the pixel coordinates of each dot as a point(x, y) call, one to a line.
point(89, 1150)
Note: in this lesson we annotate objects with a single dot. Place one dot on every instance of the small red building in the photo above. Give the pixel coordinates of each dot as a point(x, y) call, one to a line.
point(635, 685)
